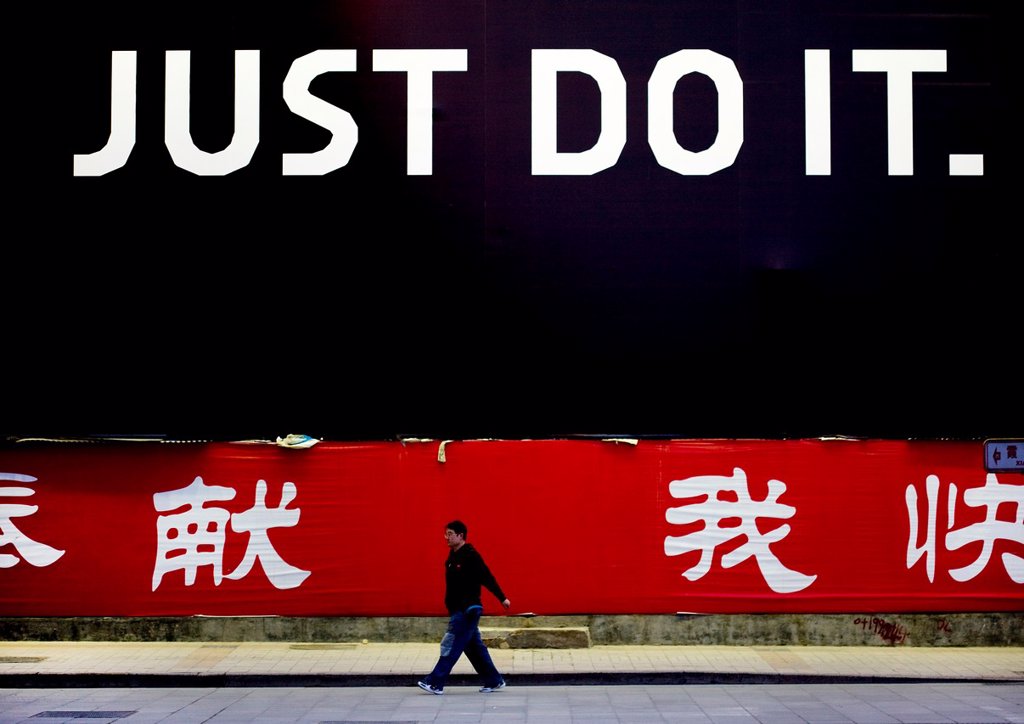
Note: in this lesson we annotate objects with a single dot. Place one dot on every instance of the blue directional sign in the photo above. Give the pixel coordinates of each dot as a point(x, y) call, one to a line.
point(1004, 455)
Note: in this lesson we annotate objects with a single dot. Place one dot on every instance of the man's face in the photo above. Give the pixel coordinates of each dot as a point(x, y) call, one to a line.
point(453, 539)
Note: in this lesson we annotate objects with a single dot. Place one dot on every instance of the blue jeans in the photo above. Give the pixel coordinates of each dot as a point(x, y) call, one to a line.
point(463, 636)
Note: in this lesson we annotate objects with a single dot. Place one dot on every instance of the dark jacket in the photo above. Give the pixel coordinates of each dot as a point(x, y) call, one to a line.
point(464, 573)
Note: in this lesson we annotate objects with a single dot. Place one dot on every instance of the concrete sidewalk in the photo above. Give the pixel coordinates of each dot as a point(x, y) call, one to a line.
point(78, 664)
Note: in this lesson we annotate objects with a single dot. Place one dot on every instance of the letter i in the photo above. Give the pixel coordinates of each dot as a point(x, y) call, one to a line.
point(818, 112)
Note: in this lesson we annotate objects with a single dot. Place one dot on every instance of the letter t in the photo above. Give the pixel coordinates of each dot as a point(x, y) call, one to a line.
point(420, 65)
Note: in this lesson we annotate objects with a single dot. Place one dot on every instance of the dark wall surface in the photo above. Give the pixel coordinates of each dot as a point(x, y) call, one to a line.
point(483, 300)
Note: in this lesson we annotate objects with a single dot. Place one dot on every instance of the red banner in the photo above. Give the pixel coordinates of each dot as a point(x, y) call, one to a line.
point(567, 526)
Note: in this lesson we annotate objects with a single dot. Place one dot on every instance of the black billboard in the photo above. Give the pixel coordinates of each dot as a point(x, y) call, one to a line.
point(363, 219)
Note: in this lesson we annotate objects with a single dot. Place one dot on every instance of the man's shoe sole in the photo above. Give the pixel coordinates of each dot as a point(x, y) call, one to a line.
point(492, 689)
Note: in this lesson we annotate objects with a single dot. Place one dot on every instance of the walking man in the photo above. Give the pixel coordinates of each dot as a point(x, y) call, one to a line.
point(464, 573)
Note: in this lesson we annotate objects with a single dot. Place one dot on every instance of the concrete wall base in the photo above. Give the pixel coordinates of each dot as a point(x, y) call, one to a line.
point(954, 629)
point(551, 637)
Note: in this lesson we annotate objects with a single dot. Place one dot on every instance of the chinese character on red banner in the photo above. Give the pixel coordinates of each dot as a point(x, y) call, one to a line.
point(989, 496)
point(33, 552)
point(195, 536)
point(710, 508)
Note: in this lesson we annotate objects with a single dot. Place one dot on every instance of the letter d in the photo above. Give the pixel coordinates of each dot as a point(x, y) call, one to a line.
point(546, 160)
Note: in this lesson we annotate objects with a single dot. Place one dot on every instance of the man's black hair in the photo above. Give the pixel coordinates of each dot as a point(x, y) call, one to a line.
point(457, 526)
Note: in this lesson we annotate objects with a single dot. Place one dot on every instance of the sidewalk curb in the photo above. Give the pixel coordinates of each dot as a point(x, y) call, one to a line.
point(127, 680)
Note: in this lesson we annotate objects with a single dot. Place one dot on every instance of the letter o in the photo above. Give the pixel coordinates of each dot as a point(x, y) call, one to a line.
point(660, 132)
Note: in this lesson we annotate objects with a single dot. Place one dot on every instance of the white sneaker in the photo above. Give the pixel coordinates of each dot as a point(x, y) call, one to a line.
point(429, 687)
point(490, 689)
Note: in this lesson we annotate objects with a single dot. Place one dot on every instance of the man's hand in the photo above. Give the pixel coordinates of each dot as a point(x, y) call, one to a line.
point(506, 603)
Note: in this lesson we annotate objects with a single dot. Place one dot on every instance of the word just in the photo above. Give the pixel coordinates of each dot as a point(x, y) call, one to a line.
point(419, 65)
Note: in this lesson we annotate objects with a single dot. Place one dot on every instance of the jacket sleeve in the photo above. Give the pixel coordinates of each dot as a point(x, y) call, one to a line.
point(487, 579)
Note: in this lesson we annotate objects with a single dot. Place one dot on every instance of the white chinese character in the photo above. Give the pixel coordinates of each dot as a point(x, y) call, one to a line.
point(35, 553)
point(989, 497)
point(712, 510)
point(193, 537)
point(915, 552)
point(256, 521)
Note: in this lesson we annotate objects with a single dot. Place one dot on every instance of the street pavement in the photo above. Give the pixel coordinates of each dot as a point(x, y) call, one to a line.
point(284, 682)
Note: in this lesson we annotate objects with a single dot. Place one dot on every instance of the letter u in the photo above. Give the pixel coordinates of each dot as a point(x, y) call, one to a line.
point(177, 106)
